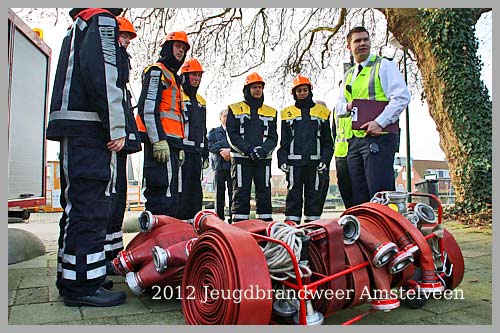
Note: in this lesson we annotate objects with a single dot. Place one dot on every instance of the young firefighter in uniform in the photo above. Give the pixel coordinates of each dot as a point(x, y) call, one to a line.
point(195, 141)
point(305, 152)
point(161, 122)
point(114, 234)
point(87, 117)
point(251, 129)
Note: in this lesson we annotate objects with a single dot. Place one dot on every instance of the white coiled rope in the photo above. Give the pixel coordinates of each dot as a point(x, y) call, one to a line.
point(278, 259)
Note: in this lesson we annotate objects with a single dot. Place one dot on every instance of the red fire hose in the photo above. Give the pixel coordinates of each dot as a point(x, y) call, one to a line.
point(225, 259)
point(397, 221)
point(225, 275)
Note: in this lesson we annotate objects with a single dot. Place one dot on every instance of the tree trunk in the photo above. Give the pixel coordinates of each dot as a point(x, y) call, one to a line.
point(455, 102)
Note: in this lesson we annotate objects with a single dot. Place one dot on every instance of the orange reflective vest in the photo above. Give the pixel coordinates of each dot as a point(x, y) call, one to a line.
point(170, 107)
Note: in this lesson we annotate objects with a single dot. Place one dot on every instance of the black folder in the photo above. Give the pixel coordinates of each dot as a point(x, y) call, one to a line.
point(365, 110)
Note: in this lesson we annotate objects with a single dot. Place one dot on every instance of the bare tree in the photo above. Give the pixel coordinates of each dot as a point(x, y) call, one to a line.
point(282, 42)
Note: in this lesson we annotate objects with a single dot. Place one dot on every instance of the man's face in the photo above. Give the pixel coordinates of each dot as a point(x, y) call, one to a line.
point(223, 119)
point(256, 89)
point(124, 39)
point(179, 50)
point(359, 46)
point(195, 78)
point(302, 91)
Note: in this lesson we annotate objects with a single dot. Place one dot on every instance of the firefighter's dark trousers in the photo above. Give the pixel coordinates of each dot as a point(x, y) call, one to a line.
point(161, 182)
point(344, 181)
point(87, 174)
point(243, 174)
point(371, 165)
point(190, 192)
point(114, 234)
point(308, 187)
point(222, 180)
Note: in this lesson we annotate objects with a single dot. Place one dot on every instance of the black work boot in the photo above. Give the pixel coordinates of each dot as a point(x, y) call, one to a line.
point(107, 284)
point(101, 298)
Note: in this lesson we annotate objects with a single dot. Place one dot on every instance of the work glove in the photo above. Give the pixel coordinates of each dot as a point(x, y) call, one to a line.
point(285, 168)
point(261, 153)
point(205, 163)
point(182, 157)
point(252, 154)
point(322, 166)
point(161, 151)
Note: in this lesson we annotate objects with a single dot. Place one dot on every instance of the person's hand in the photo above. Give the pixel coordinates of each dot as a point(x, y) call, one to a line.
point(285, 168)
point(225, 153)
point(116, 145)
point(261, 153)
point(252, 154)
point(205, 163)
point(161, 151)
point(349, 106)
point(321, 166)
point(182, 157)
point(372, 128)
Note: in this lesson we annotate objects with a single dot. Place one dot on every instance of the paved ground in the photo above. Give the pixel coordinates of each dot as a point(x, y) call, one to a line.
point(33, 298)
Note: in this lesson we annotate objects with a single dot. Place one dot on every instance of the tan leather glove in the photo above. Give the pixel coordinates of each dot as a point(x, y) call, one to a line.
point(161, 151)
point(182, 157)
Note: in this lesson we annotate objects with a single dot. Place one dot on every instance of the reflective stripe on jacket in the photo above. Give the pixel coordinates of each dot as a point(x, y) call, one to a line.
point(86, 99)
point(306, 136)
point(167, 111)
point(195, 124)
point(248, 128)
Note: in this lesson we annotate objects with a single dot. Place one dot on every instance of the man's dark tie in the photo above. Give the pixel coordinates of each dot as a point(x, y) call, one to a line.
point(360, 68)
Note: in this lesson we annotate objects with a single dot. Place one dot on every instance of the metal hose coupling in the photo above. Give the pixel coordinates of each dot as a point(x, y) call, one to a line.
point(385, 304)
point(147, 221)
point(199, 219)
point(400, 261)
point(431, 287)
point(399, 199)
point(351, 228)
point(161, 256)
point(118, 267)
point(285, 307)
point(383, 253)
point(123, 262)
point(425, 213)
point(131, 279)
point(394, 199)
point(412, 217)
point(313, 317)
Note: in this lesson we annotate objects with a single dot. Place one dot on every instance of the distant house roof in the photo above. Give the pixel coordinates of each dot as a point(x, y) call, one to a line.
point(422, 165)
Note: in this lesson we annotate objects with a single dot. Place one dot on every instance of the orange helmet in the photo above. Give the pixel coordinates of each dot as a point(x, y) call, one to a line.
point(125, 25)
point(300, 80)
point(254, 77)
point(180, 36)
point(192, 65)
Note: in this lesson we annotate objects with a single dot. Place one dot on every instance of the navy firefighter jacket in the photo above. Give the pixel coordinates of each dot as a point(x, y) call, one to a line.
point(87, 99)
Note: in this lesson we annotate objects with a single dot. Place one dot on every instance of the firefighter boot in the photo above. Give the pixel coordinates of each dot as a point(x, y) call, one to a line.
point(101, 298)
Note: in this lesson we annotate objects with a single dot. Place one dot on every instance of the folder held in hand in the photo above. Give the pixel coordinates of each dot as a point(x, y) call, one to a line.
point(365, 110)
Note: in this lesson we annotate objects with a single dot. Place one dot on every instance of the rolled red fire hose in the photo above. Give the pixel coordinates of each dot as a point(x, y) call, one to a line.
point(395, 220)
point(225, 259)
point(455, 258)
point(358, 280)
point(330, 250)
